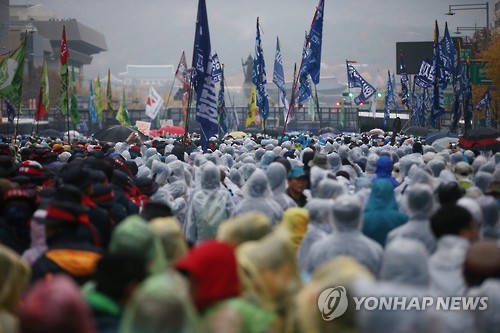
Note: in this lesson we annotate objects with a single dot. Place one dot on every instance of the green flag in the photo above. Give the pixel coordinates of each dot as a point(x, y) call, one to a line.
point(11, 76)
point(122, 115)
point(63, 71)
point(342, 113)
point(73, 109)
point(98, 101)
point(109, 94)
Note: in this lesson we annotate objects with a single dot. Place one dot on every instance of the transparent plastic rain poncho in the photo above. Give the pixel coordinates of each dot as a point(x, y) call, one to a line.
point(276, 175)
point(247, 169)
point(347, 239)
point(320, 225)
point(160, 304)
point(267, 159)
point(436, 166)
point(473, 207)
point(160, 172)
point(420, 205)
point(207, 207)
point(258, 197)
point(490, 228)
point(371, 166)
point(488, 320)
point(405, 262)
point(236, 177)
point(330, 189)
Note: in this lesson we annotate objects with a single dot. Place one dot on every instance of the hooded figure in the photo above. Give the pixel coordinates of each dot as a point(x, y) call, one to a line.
point(381, 214)
point(383, 170)
point(212, 270)
point(420, 206)
point(208, 207)
point(258, 197)
point(276, 175)
point(490, 229)
point(347, 238)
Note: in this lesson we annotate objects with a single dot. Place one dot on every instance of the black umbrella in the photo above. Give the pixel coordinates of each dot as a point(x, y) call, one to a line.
point(481, 138)
point(433, 136)
point(118, 133)
point(53, 133)
point(329, 130)
point(417, 131)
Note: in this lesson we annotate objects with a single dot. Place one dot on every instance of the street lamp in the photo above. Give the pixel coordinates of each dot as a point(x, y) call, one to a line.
point(471, 6)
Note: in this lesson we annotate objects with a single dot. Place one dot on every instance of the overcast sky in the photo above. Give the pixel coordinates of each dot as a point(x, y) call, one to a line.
point(154, 32)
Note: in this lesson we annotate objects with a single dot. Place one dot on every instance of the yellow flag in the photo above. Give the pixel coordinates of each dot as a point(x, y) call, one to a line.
point(252, 107)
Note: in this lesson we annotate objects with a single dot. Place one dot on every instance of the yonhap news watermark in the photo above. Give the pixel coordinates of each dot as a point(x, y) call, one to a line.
point(333, 303)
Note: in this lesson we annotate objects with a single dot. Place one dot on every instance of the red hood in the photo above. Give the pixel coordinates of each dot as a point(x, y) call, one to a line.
point(213, 267)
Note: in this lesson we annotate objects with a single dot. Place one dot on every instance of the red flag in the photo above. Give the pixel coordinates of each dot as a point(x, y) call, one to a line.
point(182, 72)
point(41, 110)
point(64, 47)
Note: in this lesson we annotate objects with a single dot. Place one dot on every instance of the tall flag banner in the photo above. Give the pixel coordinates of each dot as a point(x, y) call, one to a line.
point(122, 114)
point(312, 58)
point(43, 98)
point(424, 105)
point(394, 92)
point(425, 76)
point(354, 79)
point(109, 94)
point(221, 106)
point(467, 92)
point(206, 99)
point(259, 76)
point(216, 69)
point(182, 72)
point(485, 102)
point(458, 96)
point(73, 108)
point(342, 114)
point(279, 74)
point(154, 103)
point(92, 106)
point(404, 82)
point(304, 93)
point(448, 57)
point(63, 70)
point(438, 100)
point(11, 80)
point(252, 107)
point(389, 96)
point(98, 101)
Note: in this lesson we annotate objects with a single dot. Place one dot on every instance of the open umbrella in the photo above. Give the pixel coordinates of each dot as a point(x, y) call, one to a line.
point(443, 143)
point(50, 132)
point(376, 131)
point(329, 130)
point(433, 136)
point(481, 138)
point(168, 130)
point(117, 133)
point(417, 131)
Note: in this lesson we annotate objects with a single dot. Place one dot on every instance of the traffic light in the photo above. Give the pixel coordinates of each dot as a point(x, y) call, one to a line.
point(350, 94)
point(379, 94)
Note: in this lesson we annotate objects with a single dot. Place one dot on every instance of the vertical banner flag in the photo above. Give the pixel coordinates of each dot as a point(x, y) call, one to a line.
point(354, 79)
point(279, 74)
point(98, 101)
point(394, 92)
point(73, 108)
point(342, 114)
point(92, 106)
point(154, 103)
point(304, 93)
point(64, 72)
point(182, 72)
point(388, 100)
point(109, 94)
point(122, 114)
point(438, 100)
point(485, 101)
point(252, 107)
point(259, 76)
point(11, 80)
point(43, 98)
point(404, 82)
point(312, 58)
point(221, 106)
point(206, 100)
point(216, 68)
point(448, 57)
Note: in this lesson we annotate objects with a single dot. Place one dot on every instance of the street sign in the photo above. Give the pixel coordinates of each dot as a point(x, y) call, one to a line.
point(478, 74)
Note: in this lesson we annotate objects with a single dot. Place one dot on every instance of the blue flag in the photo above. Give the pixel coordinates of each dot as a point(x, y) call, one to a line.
point(438, 100)
point(312, 58)
point(448, 57)
point(206, 99)
point(354, 79)
point(11, 110)
point(389, 96)
point(92, 106)
point(279, 73)
point(394, 100)
point(304, 92)
point(221, 104)
point(216, 68)
point(259, 76)
point(485, 102)
point(404, 82)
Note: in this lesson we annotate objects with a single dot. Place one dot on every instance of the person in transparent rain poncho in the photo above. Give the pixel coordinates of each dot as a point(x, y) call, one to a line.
point(208, 207)
point(420, 206)
point(258, 197)
point(347, 238)
point(276, 175)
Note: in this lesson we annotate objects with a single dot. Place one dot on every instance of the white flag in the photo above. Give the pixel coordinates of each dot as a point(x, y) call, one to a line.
point(154, 103)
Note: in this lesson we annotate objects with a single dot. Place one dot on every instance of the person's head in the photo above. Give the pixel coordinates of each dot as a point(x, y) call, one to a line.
point(347, 212)
point(420, 201)
point(297, 180)
point(245, 227)
point(482, 261)
point(454, 220)
point(153, 209)
point(168, 230)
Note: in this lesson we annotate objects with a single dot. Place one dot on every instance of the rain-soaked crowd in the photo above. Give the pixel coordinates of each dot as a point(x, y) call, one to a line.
point(158, 236)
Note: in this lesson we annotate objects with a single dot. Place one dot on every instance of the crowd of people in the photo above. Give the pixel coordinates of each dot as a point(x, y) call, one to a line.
point(160, 236)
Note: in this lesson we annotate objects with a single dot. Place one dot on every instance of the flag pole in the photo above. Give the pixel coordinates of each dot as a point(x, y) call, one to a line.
point(171, 89)
point(292, 98)
point(317, 106)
